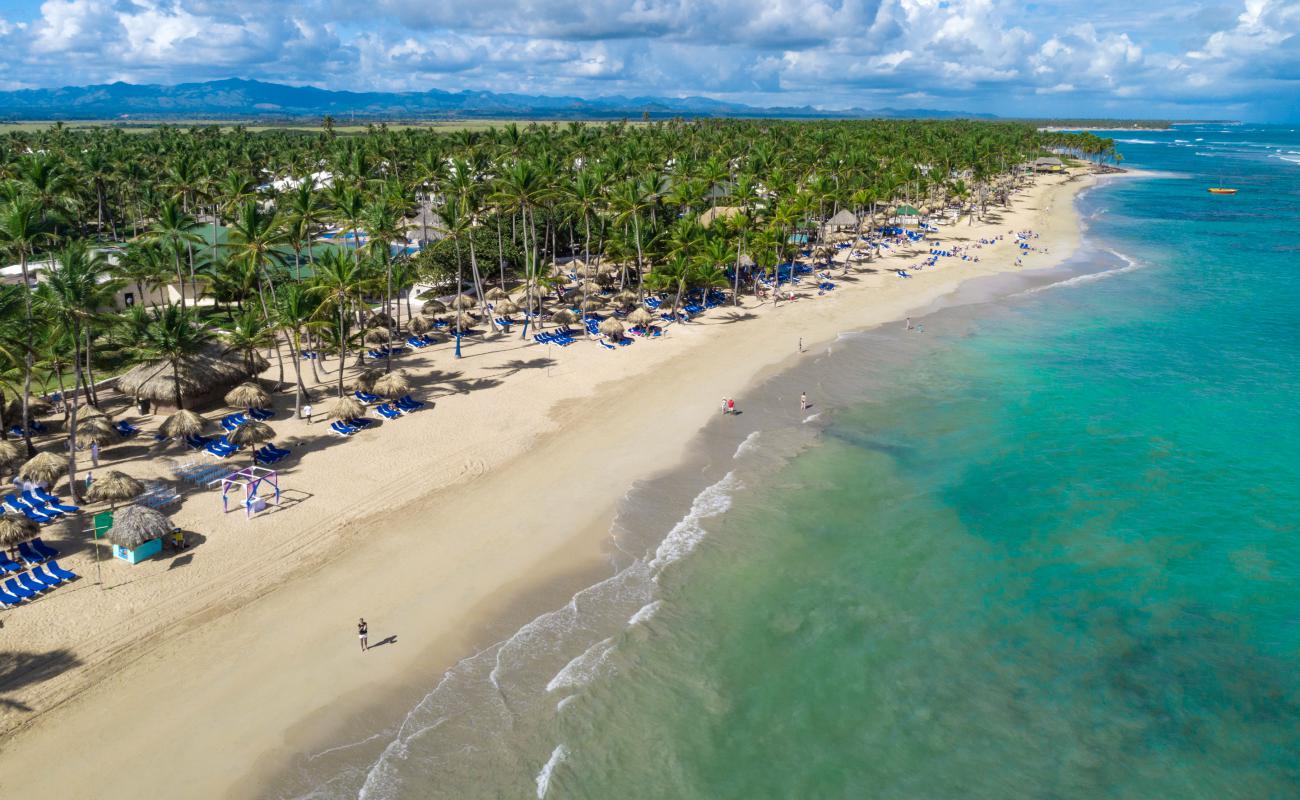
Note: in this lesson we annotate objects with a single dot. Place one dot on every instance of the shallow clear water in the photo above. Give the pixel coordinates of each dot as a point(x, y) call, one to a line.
point(1045, 548)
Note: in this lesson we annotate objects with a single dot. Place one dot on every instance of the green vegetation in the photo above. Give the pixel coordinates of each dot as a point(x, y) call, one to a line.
point(225, 215)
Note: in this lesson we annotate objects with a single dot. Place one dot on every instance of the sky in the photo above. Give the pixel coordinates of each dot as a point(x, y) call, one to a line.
point(1232, 59)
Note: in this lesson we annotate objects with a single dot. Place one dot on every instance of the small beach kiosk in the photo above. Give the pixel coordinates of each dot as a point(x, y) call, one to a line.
point(907, 216)
point(137, 533)
point(252, 487)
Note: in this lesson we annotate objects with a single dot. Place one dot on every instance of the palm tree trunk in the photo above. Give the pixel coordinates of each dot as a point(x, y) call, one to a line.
point(343, 349)
point(27, 357)
point(176, 375)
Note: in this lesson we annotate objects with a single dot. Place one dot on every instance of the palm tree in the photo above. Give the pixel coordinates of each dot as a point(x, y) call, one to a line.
point(338, 287)
point(174, 230)
point(22, 230)
point(294, 313)
point(172, 333)
point(246, 336)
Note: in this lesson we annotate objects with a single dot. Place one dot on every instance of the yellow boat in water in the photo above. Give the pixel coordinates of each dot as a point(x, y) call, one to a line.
point(1221, 190)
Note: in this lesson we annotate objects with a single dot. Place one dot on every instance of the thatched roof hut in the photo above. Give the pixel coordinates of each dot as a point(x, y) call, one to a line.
point(592, 304)
point(16, 529)
point(97, 430)
point(114, 487)
point(135, 525)
point(203, 377)
point(844, 219)
point(43, 468)
point(419, 324)
point(250, 432)
point(433, 306)
point(365, 379)
point(463, 301)
point(506, 307)
point(563, 317)
point(496, 293)
point(378, 336)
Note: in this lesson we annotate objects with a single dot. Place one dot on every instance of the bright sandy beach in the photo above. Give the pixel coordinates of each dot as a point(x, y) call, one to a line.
point(446, 529)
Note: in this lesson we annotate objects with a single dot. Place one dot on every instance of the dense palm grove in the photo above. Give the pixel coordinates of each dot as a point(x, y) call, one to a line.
point(208, 213)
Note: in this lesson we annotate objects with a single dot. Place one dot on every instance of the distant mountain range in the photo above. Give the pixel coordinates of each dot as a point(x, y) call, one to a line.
point(237, 99)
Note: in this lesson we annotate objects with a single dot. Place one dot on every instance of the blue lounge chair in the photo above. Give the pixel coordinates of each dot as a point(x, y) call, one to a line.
point(261, 414)
point(11, 503)
point(126, 429)
point(414, 342)
point(408, 403)
point(606, 344)
point(43, 574)
point(196, 442)
point(29, 554)
point(7, 564)
point(67, 575)
point(9, 599)
point(33, 514)
point(366, 397)
point(361, 422)
point(388, 411)
point(39, 505)
point(232, 421)
point(53, 501)
point(21, 591)
point(39, 578)
point(342, 429)
point(32, 585)
point(43, 548)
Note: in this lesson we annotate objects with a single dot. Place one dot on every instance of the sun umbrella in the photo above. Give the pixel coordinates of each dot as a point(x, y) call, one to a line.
point(592, 304)
point(97, 431)
point(625, 298)
point(432, 307)
point(563, 317)
point(463, 301)
point(36, 407)
point(641, 316)
point(90, 412)
point(590, 287)
point(43, 468)
point(183, 423)
point(496, 293)
point(506, 306)
point(612, 328)
point(393, 385)
point(10, 455)
point(114, 487)
point(135, 525)
point(248, 395)
point(365, 379)
point(347, 408)
point(380, 320)
point(378, 336)
point(250, 432)
point(419, 325)
point(16, 529)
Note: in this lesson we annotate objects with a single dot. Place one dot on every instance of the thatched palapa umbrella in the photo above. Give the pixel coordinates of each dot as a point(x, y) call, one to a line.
point(10, 455)
point(380, 319)
point(90, 412)
point(590, 287)
point(183, 423)
point(97, 431)
point(463, 301)
point(36, 407)
point(43, 468)
point(592, 304)
point(378, 336)
point(419, 325)
point(641, 316)
point(496, 293)
point(135, 525)
point(364, 380)
point(393, 385)
point(563, 317)
point(506, 307)
point(248, 395)
point(612, 329)
point(432, 307)
point(16, 529)
point(249, 433)
point(626, 298)
point(114, 487)
point(346, 408)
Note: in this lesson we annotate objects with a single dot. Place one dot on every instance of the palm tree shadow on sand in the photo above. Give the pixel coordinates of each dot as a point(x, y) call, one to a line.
point(20, 670)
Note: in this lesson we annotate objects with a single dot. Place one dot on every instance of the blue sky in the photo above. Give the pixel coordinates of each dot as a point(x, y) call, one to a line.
point(1201, 58)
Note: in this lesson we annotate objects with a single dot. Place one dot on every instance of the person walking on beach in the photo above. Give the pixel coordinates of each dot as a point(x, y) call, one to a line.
point(363, 631)
point(724, 405)
point(803, 401)
point(731, 405)
point(909, 324)
point(800, 344)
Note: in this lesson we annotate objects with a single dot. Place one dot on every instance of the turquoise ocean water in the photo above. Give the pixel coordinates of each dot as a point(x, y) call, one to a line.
point(1048, 547)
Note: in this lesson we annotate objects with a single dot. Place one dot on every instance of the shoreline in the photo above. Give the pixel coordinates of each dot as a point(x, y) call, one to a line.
point(486, 562)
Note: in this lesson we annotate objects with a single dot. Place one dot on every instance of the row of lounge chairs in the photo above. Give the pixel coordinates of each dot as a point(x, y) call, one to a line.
point(126, 429)
point(269, 454)
point(351, 426)
point(384, 352)
point(563, 338)
point(232, 421)
point(421, 341)
point(30, 584)
point(33, 552)
point(38, 505)
point(35, 428)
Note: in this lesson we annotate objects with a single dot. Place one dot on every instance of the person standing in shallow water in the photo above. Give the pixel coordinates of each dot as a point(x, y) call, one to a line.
point(363, 631)
point(803, 401)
